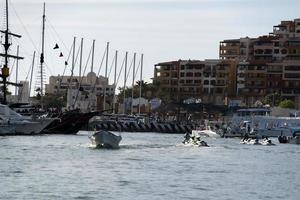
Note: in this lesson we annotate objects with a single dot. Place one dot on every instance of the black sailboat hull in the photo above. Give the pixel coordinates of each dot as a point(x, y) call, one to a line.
point(69, 123)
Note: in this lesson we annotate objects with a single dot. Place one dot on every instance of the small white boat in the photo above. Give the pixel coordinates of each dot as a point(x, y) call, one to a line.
point(105, 139)
point(207, 133)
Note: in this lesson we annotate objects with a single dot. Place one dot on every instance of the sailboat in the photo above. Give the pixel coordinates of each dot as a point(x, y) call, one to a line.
point(11, 122)
point(71, 121)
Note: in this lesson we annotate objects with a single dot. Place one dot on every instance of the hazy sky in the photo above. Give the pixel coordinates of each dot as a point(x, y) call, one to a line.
point(163, 30)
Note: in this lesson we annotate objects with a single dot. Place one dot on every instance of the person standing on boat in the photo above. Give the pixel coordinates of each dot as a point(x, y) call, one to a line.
point(187, 137)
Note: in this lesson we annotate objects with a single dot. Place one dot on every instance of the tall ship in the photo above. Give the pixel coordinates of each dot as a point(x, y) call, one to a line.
point(12, 123)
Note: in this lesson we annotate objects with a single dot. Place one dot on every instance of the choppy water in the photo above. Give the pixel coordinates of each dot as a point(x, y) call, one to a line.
point(147, 166)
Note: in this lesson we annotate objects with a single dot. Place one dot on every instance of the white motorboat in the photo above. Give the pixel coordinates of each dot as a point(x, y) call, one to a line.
point(105, 139)
point(258, 122)
point(14, 123)
point(206, 132)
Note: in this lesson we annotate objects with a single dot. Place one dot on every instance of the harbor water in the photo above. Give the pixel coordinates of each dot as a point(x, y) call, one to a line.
point(147, 166)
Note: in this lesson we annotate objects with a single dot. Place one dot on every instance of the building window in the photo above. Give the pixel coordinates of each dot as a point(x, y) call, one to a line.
point(283, 51)
point(181, 74)
point(189, 74)
point(206, 82)
point(198, 74)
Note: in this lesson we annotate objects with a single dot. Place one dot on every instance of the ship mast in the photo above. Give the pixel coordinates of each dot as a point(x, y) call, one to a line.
point(42, 55)
point(5, 68)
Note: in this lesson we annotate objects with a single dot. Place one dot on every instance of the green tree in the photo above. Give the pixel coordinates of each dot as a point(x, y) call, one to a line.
point(272, 99)
point(54, 101)
point(287, 104)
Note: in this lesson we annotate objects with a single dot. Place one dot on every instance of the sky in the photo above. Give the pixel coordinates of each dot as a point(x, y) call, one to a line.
point(162, 30)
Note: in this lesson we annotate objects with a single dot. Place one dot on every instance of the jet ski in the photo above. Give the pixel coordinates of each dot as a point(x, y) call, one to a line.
point(194, 141)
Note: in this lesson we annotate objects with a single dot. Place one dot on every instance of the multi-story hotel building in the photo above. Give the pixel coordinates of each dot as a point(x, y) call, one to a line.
point(267, 64)
point(247, 69)
point(208, 80)
point(238, 49)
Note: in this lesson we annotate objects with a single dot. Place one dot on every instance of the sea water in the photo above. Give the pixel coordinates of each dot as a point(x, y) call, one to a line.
point(147, 166)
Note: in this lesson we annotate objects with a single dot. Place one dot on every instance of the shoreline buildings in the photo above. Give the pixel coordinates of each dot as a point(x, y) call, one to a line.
point(247, 70)
point(85, 93)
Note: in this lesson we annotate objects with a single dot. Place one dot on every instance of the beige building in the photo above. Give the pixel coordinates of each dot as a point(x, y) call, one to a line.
point(266, 64)
point(85, 93)
point(60, 84)
point(208, 80)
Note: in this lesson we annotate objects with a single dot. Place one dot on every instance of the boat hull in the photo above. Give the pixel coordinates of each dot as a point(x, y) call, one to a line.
point(69, 123)
point(33, 127)
point(105, 139)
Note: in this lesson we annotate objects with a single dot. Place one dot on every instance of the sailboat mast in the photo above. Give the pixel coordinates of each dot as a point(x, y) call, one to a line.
point(124, 88)
point(106, 66)
point(5, 69)
point(6, 44)
point(141, 79)
point(80, 62)
point(93, 52)
point(133, 77)
point(17, 72)
point(42, 56)
point(31, 75)
point(73, 59)
point(115, 82)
